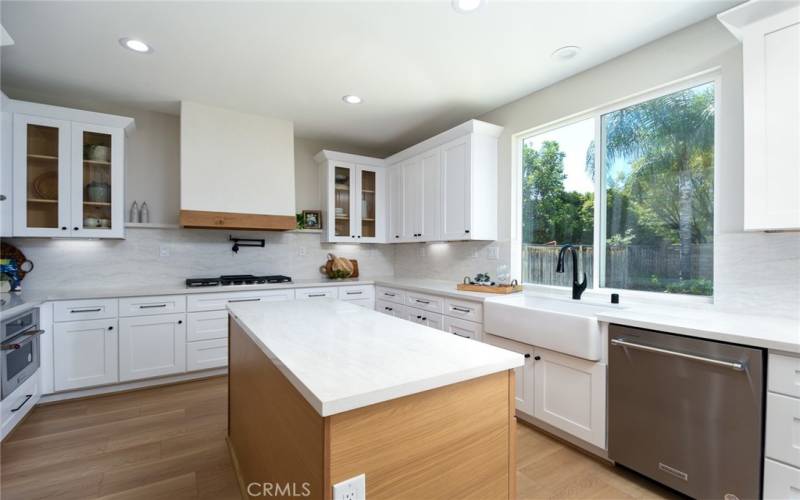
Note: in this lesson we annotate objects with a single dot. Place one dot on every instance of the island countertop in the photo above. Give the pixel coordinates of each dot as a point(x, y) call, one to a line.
point(341, 357)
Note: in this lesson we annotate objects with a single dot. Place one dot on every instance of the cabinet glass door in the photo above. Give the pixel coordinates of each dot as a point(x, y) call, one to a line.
point(95, 177)
point(41, 176)
point(367, 213)
point(342, 190)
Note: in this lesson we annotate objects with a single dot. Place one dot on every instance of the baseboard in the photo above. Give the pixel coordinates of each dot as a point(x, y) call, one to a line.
point(131, 386)
point(563, 436)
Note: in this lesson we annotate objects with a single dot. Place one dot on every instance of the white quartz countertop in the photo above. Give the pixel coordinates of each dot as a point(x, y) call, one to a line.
point(437, 287)
point(340, 356)
point(781, 334)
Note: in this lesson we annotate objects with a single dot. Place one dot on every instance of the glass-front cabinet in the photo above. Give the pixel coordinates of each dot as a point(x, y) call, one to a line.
point(68, 178)
point(353, 198)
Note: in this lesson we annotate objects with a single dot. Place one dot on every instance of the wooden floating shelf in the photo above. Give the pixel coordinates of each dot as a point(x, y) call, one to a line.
point(42, 157)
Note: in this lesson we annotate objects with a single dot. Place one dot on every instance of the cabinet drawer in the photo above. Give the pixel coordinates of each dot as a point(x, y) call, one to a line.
point(357, 292)
point(780, 481)
point(147, 306)
point(783, 429)
point(219, 301)
point(390, 308)
point(463, 309)
point(206, 354)
point(784, 375)
point(77, 310)
point(430, 303)
point(427, 318)
point(463, 328)
point(317, 293)
point(390, 294)
point(207, 325)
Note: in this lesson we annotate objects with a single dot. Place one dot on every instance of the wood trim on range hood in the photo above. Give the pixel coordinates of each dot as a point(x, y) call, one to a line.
point(243, 222)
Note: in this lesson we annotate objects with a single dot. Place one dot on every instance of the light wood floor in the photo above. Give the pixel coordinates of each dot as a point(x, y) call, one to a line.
point(169, 443)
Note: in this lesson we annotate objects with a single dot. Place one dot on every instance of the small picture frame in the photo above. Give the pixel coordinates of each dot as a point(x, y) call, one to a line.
point(312, 219)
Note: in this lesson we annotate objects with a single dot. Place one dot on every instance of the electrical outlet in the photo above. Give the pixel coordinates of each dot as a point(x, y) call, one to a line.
point(301, 251)
point(163, 251)
point(354, 488)
point(494, 253)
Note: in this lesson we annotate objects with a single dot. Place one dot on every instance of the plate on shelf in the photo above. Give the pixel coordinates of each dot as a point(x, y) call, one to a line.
point(46, 186)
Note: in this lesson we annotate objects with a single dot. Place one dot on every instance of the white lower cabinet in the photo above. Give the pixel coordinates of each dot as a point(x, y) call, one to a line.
point(17, 404)
point(316, 293)
point(780, 481)
point(463, 328)
point(569, 393)
point(85, 353)
point(152, 346)
point(427, 318)
point(390, 308)
point(205, 354)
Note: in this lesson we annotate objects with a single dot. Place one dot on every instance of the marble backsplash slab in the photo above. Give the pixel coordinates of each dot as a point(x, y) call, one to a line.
point(138, 259)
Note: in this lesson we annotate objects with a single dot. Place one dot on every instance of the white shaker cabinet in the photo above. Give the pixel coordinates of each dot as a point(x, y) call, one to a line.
point(6, 167)
point(68, 172)
point(770, 35)
point(353, 198)
point(152, 346)
point(85, 353)
point(569, 393)
point(449, 186)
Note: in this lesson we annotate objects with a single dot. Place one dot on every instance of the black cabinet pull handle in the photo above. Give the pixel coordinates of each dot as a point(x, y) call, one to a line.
point(527, 355)
point(152, 306)
point(424, 319)
point(422, 301)
point(73, 311)
point(537, 358)
point(466, 230)
point(419, 317)
point(18, 408)
point(460, 309)
point(316, 295)
point(244, 300)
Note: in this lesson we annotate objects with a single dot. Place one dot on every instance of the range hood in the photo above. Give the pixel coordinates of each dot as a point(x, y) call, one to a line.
point(237, 170)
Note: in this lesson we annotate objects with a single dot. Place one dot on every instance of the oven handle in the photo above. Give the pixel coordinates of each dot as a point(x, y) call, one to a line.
point(10, 346)
point(734, 365)
point(18, 408)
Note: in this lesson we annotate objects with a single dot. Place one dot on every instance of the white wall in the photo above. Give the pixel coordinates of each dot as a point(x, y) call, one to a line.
point(236, 162)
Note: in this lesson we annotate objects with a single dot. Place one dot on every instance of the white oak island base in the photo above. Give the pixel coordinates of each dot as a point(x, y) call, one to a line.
point(453, 442)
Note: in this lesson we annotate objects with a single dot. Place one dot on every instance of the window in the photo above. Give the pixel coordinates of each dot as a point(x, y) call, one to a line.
point(655, 196)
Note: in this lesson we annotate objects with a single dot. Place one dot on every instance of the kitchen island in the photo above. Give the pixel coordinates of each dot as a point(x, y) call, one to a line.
point(323, 391)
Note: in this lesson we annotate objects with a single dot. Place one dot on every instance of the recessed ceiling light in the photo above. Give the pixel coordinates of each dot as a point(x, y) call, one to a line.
point(464, 6)
point(565, 53)
point(135, 45)
point(351, 99)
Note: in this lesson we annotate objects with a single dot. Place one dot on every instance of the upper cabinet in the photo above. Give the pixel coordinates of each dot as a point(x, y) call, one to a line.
point(445, 188)
point(353, 198)
point(68, 172)
point(770, 35)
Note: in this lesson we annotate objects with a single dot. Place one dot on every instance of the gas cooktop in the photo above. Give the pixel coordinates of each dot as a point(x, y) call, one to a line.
point(237, 279)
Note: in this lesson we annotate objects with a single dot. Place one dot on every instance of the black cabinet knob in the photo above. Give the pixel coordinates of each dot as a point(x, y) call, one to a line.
point(466, 230)
point(110, 327)
point(180, 321)
point(528, 355)
point(75, 228)
point(359, 236)
point(396, 235)
point(537, 358)
point(63, 228)
point(419, 317)
point(424, 319)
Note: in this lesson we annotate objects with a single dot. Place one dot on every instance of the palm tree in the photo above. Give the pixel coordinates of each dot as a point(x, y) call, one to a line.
point(664, 135)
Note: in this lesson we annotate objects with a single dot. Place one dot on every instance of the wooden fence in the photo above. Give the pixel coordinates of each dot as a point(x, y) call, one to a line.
point(629, 267)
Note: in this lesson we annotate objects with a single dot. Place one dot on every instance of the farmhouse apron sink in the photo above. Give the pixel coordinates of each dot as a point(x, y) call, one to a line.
point(561, 325)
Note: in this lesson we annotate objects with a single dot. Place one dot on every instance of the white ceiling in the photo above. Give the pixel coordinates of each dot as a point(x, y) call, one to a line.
point(419, 66)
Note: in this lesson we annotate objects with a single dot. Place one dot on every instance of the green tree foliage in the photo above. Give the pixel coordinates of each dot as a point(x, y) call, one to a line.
point(550, 213)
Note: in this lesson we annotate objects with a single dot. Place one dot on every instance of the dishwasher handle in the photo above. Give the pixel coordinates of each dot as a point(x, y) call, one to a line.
point(734, 365)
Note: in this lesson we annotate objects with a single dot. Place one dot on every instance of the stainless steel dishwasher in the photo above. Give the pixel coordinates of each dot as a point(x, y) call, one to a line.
point(687, 412)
